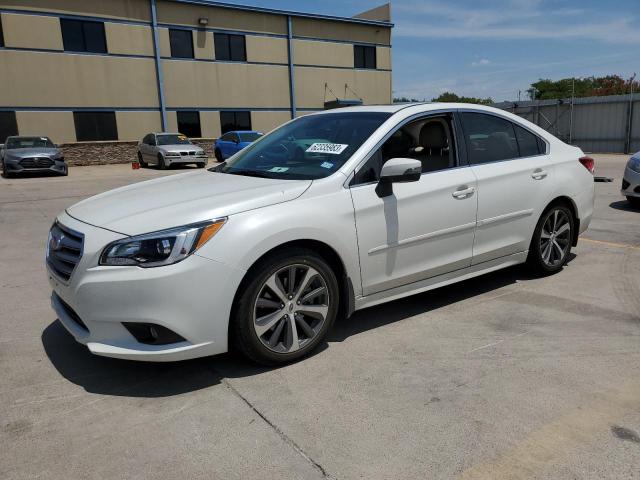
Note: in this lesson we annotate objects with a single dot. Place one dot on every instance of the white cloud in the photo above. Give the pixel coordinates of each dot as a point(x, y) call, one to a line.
point(483, 62)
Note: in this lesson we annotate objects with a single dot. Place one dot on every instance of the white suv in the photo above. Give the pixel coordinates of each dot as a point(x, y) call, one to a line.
point(328, 214)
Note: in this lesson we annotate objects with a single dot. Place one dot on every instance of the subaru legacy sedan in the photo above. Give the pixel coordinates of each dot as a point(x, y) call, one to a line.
point(262, 253)
point(166, 149)
point(31, 155)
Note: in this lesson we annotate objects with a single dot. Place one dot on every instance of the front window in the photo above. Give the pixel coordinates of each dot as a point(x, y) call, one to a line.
point(310, 147)
point(173, 139)
point(29, 142)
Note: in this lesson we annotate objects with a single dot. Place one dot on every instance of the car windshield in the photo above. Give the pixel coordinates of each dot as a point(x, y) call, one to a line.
point(29, 142)
point(173, 139)
point(249, 136)
point(310, 147)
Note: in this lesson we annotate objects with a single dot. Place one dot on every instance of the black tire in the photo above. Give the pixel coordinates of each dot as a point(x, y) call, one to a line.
point(218, 155)
point(201, 165)
point(142, 163)
point(535, 260)
point(5, 173)
point(634, 201)
point(241, 329)
point(161, 164)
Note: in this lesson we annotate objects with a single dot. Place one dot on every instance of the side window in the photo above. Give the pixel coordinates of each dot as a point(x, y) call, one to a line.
point(181, 42)
point(528, 143)
point(152, 139)
point(83, 36)
point(230, 47)
point(488, 138)
point(428, 139)
point(146, 139)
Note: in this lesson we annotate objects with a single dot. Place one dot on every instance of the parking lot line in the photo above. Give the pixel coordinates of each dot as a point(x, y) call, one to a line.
point(611, 244)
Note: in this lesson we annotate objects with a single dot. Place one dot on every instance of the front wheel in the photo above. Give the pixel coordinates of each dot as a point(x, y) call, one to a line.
point(5, 173)
point(141, 161)
point(161, 164)
point(285, 309)
point(552, 239)
point(218, 155)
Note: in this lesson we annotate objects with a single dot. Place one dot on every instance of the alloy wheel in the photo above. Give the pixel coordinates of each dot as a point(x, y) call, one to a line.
point(555, 238)
point(291, 308)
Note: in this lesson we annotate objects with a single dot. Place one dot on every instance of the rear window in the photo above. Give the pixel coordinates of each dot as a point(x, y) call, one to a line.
point(249, 136)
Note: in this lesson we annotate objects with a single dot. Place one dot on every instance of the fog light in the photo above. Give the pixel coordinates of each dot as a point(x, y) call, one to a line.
point(152, 334)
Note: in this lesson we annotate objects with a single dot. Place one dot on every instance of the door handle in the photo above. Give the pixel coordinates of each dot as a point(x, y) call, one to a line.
point(538, 174)
point(463, 193)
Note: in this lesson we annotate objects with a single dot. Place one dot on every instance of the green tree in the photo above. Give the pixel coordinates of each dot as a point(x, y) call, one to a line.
point(453, 98)
point(545, 89)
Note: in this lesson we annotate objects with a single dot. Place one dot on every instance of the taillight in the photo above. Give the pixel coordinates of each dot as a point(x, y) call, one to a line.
point(588, 163)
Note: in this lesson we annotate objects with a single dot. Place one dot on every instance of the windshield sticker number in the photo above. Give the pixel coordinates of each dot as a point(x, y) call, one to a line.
point(326, 165)
point(278, 169)
point(332, 148)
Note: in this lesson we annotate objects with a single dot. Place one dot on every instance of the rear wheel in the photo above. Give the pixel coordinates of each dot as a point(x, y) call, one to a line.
point(141, 161)
point(634, 201)
point(552, 239)
point(286, 308)
point(218, 155)
point(161, 164)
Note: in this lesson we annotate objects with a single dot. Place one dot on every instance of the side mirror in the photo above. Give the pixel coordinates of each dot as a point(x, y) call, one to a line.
point(398, 170)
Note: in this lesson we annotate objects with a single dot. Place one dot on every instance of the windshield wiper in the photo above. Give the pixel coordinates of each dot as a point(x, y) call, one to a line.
point(248, 173)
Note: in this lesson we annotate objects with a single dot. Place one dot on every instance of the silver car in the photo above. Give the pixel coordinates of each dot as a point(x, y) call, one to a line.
point(631, 180)
point(31, 154)
point(166, 149)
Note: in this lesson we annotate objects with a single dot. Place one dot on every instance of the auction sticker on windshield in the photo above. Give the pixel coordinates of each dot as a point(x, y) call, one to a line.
point(332, 148)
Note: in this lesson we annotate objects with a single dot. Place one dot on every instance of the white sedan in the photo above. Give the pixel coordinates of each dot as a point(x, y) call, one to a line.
point(330, 213)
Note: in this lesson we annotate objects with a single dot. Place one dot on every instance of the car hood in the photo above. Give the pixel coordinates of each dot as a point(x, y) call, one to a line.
point(179, 148)
point(32, 152)
point(182, 199)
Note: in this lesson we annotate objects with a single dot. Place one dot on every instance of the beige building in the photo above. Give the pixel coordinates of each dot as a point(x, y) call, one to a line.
point(94, 70)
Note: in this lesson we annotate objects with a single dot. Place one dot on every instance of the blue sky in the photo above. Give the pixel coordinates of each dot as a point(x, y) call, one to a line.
point(493, 48)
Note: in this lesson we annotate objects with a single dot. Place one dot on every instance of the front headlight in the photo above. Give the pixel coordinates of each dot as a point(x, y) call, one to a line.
point(160, 248)
point(634, 164)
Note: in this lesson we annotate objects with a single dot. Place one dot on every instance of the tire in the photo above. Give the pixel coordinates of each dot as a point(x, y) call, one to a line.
point(634, 201)
point(218, 155)
point(142, 163)
point(5, 173)
point(201, 165)
point(161, 164)
point(271, 342)
point(547, 257)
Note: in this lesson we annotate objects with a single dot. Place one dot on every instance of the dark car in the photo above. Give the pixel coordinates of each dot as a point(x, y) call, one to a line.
point(31, 154)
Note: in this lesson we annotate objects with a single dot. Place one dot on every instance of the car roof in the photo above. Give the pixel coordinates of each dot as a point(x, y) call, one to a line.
point(414, 106)
point(242, 131)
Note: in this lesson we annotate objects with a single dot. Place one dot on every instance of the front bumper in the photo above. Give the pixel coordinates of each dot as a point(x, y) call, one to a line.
point(192, 298)
point(16, 166)
point(186, 159)
point(630, 183)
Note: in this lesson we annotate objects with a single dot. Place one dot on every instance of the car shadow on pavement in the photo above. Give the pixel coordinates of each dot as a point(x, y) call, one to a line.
point(108, 376)
point(624, 205)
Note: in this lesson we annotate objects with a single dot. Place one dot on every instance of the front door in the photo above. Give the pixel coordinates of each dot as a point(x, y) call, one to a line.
point(424, 228)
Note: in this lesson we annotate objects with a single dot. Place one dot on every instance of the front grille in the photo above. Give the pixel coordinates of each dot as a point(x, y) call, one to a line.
point(64, 250)
point(625, 184)
point(187, 153)
point(36, 162)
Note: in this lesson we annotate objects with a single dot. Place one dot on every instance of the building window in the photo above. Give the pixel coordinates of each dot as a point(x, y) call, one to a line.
point(8, 125)
point(1, 34)
point(82, 36)
point(230, 47)
point(364, 57)
point(95, 126)
point(189, 124)
point(181, 43)
point(235, 121)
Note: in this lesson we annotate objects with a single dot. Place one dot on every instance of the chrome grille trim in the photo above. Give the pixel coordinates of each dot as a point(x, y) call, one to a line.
point(64, 250)
point(36, 162)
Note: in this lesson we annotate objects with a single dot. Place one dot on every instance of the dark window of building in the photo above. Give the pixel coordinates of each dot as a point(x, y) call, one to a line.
point(82, 36)
point(235, 121)
point(488, 138)
point(1, 34)
point(527, 142)
point(8, 125)
point(364, 57)
point(181, 43)
point(95, 126)
point(189, 124)
point(230, 47)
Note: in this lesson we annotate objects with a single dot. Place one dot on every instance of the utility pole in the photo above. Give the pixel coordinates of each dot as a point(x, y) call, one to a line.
point(627, 144)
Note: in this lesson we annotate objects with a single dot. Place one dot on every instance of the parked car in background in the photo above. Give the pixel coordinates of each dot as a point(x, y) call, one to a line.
point(631, 180)
point(166, 149)
point(232, 142)
point(265, 249)
point(22, 154)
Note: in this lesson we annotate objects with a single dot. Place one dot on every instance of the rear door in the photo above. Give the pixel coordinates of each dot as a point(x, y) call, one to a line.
point(515, 176)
